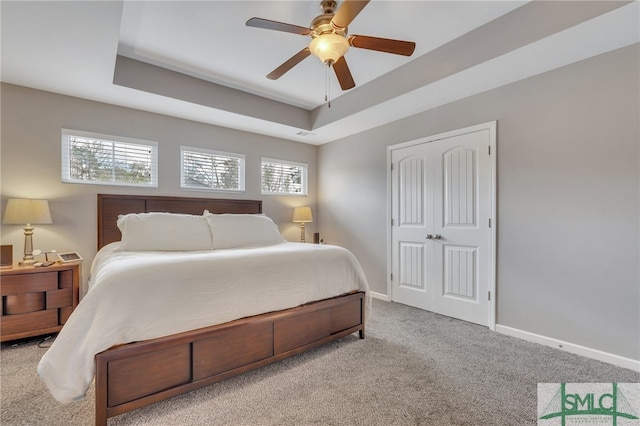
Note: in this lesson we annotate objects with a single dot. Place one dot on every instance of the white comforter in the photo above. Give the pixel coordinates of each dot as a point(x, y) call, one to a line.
point(137, 296)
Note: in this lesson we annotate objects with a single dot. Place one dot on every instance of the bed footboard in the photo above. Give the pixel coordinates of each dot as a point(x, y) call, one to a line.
point(138, 374)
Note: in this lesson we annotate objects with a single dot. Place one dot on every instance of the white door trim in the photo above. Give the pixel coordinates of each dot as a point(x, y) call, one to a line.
point(491, 127)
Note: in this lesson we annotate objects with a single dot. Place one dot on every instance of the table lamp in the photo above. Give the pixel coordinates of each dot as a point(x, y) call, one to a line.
point(302, 215)
point(27, 212)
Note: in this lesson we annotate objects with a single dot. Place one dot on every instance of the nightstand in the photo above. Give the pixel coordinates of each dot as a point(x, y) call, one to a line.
point(37, 301)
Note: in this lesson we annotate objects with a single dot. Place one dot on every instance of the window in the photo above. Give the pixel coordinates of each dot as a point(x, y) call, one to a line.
point(108, 160)
point(283, 177)
point(204, 169)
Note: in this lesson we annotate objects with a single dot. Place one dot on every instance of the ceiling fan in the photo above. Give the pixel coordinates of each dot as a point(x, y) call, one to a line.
point(329, 40)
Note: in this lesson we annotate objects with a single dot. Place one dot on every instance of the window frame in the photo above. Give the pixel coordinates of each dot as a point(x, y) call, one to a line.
point(66, 134)
point(205, 151)
point(304, 179)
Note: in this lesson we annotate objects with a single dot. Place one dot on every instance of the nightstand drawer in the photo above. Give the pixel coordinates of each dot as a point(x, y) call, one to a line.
point(29, 283)
point(64, 314)
point(65, 279)
point(24, 303)
point(12, 324)
point(59, 298)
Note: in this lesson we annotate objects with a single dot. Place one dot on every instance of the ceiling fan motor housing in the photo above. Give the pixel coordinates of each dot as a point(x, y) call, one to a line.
point(322, 25)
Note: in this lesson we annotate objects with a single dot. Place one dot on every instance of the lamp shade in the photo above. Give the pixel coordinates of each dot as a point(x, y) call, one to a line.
point(329, 47)
point(302, 214)
point(24, 211)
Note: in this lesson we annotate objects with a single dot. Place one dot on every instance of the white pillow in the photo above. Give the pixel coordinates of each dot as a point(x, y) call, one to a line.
point(164, 232)
point(238, 230)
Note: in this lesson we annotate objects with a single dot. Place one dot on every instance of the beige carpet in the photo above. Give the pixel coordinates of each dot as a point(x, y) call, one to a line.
point(414, 368)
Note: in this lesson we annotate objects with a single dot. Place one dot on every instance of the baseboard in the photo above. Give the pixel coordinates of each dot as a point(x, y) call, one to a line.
point(380, 296)
point(616, 360)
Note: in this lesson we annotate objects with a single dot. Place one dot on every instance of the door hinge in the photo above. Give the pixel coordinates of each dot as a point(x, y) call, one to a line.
point(489, 294)
point(391, 277)
point(391, 221)
point(391, 166)
point(489, 149)
point(489, 222)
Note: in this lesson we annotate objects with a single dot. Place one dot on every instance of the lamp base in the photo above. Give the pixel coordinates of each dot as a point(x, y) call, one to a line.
point(302, 232)
point(28, 259)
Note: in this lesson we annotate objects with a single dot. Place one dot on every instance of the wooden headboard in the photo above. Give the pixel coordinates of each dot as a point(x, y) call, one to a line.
point(110, 206)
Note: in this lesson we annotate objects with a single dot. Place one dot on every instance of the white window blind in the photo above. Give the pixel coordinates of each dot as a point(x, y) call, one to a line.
point(108, 160)
point(283, 177)
point(204, 169)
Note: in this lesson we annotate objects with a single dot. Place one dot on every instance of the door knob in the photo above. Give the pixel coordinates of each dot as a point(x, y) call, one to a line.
point(437, 236)
point(429, 237)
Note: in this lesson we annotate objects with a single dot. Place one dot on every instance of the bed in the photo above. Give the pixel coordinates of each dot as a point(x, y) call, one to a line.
point(137, 373)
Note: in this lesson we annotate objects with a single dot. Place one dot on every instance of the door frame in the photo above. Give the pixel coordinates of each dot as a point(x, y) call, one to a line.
point(491, 126)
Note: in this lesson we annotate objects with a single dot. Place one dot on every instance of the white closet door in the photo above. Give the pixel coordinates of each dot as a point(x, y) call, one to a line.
point(412, 220)
point(441, 198)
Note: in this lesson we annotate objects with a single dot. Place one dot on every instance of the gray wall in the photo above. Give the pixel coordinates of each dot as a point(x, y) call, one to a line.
point(568, 188)
point(31, 158)
point(568, 198)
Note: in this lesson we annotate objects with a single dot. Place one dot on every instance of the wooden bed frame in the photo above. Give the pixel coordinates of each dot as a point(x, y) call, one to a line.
point(137, 374)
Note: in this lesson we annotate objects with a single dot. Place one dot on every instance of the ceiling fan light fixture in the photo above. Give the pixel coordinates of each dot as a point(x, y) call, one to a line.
point(329, 40)
point(329, 47)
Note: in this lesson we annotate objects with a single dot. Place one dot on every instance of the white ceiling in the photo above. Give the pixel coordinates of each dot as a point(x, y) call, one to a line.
point(210, 39)
point(462, 48)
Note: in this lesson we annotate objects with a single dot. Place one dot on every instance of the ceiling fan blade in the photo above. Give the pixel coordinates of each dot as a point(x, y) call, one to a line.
point(290, 63)
point(344, 75)
point(398, 47)
point(347, 11)
point(277, 26)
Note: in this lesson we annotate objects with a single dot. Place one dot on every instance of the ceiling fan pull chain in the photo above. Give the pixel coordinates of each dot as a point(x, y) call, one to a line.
point(327, 85)
point(326, 93)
